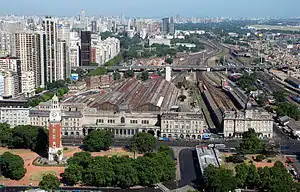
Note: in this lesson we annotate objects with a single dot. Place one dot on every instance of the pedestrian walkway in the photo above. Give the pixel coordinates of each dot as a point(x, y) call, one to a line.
point(162, 187)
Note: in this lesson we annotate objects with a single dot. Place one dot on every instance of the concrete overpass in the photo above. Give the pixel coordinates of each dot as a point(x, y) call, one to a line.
point(179, 68)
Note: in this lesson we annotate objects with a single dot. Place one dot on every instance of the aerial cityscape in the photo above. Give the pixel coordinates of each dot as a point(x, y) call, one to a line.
point(175, 102)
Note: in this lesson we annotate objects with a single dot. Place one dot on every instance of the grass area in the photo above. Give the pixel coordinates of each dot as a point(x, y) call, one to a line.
point(39, 175)
point(211, 61)
point(231, 166)
point(3, 179)
point(277, 27)
point(114, 153)
point(15, 151)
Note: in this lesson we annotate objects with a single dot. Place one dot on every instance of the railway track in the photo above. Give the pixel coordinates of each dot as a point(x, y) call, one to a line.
point(221, 100)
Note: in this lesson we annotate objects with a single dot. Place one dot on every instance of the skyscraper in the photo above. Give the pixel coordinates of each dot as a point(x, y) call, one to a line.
point(28, 51)
point(94, 27)
point(171, 26)
point(165, 26)
point(50, 50)
point(85, 54)
point(62, 60)
point(64, 46)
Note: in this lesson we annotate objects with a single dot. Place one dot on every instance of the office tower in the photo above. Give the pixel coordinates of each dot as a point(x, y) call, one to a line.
point(74, 50)
point(94, 27)
point(64, 35)
point(165, 26)
point(85, 52)
point(50, 50)
point(63, 73)
point(28, 51)
point(171, 26)
point(114, 27)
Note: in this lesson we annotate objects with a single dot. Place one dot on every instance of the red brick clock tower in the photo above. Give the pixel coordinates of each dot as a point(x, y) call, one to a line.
point(55, 151)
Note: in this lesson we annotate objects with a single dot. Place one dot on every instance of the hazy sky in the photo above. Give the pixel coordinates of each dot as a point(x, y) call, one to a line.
point(153, 8)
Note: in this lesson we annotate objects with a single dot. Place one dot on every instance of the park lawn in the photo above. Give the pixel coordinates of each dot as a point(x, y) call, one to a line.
point(264, 163)
point(39, 175)
point(114, 153)
point(14, 151)
point(3, 179)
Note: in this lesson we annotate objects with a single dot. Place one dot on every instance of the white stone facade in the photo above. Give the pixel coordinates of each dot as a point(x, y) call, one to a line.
point(182, 125)
point(14, 116)
point(236, 123)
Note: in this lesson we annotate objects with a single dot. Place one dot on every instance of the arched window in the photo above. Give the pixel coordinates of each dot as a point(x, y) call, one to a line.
point(122, 120)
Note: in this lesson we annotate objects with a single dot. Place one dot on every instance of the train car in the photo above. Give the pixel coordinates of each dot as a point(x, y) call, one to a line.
point(294, 82)
point(295, 98)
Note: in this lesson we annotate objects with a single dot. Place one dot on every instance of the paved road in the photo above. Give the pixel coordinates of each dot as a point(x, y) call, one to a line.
point(187, 167)
point(86, 189)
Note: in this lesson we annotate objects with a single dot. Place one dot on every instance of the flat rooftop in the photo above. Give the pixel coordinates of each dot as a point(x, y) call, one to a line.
point(207, 156)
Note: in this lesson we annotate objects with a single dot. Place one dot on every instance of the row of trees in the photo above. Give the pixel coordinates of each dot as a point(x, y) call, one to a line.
point(99, 140)
point(25, 137)
point(274, 178)
point(98, 71)
point(58, 87)
point(247, 82)
point(116, 171)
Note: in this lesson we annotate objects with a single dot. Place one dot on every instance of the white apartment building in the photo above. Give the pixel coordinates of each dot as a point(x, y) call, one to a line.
point(11, 84)
point(6, 43)
point(64, 29)
point(74, 49)
point(182, 125)
point(106, 49)
point(29, 53)
point(28, 83)
point(9, 63)
point(235, 123)
point(14, 112)
point(50, 44)
point(62, 61)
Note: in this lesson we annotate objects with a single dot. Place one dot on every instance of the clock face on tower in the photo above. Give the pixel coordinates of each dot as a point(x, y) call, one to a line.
point(55, 116)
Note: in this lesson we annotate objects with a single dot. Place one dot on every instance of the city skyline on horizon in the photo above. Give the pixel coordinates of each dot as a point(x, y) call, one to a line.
point(154, 8)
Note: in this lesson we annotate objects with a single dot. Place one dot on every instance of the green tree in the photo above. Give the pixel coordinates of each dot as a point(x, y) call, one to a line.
point(30, 137)
point(12, 166)
point(218, 179)
point(142, 142)
point(169, 60)
point(117, 76)
point(129, 74)
point(147, 171)
point(241, 172)
point(98, 71)
point(99, 173)
point(125, 172)
point(252, 177)
point(275, 178)
point(39, 90)
point(49, 182)
point(73, 174)
point(280, 96)
point(289, 109)
point(98, 140)
point(5, 135)
point(166, 150)
point(250, 144)
point(145, 75)
point(81, 158)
